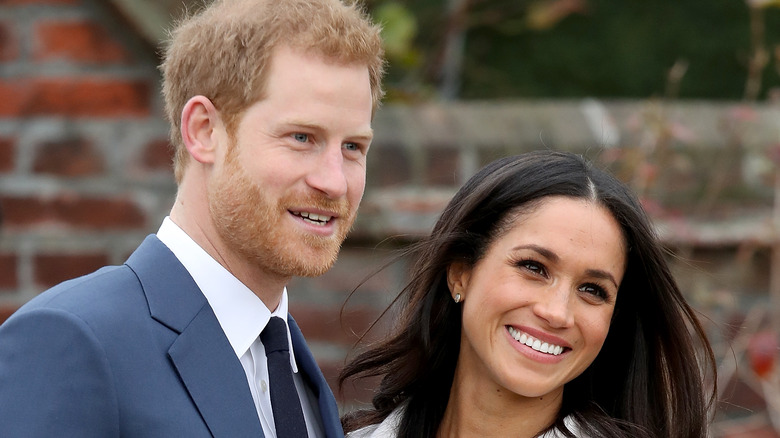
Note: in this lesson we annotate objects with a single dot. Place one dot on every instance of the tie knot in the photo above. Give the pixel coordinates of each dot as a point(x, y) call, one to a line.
point(274, 336)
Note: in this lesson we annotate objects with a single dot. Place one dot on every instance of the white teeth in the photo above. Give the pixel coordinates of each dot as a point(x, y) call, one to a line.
point(536, 344)
point(314, 218)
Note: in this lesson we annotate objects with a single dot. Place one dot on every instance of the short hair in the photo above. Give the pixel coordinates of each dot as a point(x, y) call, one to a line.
point(223, 52)
point(646, 380)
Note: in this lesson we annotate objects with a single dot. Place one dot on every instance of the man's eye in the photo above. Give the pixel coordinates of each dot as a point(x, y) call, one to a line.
point(303, 138)
point(351, 146)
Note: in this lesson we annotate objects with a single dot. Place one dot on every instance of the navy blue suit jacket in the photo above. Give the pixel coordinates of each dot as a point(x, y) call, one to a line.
point(132, 351)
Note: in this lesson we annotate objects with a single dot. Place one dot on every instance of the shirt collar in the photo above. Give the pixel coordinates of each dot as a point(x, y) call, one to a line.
point(242, 315)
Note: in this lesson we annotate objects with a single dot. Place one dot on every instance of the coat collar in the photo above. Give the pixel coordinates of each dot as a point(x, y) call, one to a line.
point(201, 354)
point(329, 411)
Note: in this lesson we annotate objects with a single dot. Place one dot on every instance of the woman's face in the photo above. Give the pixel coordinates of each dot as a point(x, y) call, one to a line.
point(537, 306)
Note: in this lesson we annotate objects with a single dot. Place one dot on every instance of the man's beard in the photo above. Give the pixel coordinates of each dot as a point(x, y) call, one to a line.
point(254, 226)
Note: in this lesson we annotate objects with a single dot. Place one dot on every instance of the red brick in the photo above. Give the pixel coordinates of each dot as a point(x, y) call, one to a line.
point(442, 166)
point(72, 211)
point(75, 97)
point(158, 155)
point(331, 372)
point(359, 266)
point(740, 396)
point(7, 154)
point(389, 166)
point(37, 2)
point(6, 311)
point(488, 154)
point(51, 269)
point(748, 431)
point(22, 212)
point(79, 41)
point(423, 205)
point(70, 157)
point(353, 392)
point(8, 269)
point(327, 324)
point(9, 44)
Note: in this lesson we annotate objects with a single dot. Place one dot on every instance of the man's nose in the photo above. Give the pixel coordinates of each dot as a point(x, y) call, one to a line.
point(327, 174)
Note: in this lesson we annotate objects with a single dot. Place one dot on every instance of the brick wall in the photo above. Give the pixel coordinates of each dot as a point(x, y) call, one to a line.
point(84, 168)
point(84, 173)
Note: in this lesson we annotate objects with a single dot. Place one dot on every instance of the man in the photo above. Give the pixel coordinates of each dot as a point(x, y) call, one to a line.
point(271, 104)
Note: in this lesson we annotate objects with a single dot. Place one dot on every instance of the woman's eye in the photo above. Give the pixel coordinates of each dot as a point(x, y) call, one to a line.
point(303, 138)
point(533, 266)
point(595, 290)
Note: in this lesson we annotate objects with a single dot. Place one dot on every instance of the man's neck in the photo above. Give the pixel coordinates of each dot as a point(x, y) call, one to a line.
point(268, 286)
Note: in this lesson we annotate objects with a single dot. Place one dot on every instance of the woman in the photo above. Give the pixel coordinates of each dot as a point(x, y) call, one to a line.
point(540, 305)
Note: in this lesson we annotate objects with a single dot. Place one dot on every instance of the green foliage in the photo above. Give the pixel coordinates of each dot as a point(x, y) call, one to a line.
point(399, 28)
point(578, 48)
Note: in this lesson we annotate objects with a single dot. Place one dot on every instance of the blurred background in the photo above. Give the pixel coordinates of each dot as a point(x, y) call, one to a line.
point(680, 98)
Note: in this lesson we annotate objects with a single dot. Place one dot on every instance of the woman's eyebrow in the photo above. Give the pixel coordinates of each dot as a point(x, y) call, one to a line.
point(552, 256)
point(544, 252)
point(604, 275)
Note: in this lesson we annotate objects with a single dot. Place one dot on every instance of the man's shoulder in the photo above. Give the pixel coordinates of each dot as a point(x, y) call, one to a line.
point(107, 289)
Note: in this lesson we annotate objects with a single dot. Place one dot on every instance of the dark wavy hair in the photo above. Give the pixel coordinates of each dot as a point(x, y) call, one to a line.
point(648, 379)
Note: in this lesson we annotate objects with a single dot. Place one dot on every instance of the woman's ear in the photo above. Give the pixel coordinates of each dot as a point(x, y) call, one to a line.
point(199, 122)
point(458, 275)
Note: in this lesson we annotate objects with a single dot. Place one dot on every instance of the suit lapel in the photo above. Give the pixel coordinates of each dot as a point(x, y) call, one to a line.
point(214, 378)
point(201, 353)
point(313, 376)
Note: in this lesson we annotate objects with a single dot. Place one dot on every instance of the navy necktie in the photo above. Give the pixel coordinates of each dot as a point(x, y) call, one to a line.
point(288, 415)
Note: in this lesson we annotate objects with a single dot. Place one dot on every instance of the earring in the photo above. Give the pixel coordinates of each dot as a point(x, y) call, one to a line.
point(457, 298)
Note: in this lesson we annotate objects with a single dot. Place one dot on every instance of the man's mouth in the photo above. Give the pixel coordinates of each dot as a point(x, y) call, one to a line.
point(313, 218)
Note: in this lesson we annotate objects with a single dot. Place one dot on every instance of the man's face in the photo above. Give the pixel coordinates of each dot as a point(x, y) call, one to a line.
point(286, 192)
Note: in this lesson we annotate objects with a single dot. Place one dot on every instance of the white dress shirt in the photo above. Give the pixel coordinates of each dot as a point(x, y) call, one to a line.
point(243, 316)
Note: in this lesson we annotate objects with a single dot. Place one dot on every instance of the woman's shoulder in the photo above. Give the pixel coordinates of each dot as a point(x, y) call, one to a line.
point(571, 424)
point(363, 432)
point(389, 428)
point(386, 429)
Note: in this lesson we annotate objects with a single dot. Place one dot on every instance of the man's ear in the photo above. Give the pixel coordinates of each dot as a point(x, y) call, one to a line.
point(199, 122)
point(458, 275)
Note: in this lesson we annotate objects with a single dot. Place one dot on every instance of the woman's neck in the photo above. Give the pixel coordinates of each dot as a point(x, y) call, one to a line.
point(475, 410)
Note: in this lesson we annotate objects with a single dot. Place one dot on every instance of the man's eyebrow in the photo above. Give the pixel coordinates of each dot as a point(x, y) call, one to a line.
point(367, 134)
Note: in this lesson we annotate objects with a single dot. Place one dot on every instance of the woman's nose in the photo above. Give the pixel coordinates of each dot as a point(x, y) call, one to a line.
point(555, 307)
